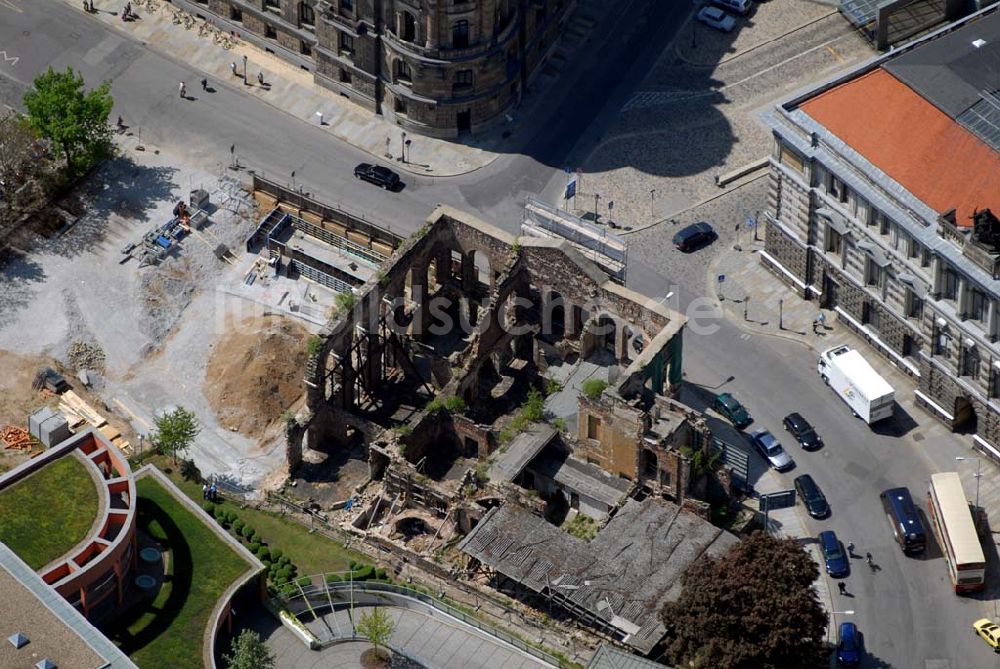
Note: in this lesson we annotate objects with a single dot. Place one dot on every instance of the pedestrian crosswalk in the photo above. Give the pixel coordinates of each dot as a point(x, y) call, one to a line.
point(646, 99)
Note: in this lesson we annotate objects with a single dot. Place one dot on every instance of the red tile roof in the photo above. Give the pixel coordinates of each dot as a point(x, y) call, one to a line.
point(912, 141)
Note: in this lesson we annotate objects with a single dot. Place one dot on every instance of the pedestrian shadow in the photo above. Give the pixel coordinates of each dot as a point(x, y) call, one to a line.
point(209, 89)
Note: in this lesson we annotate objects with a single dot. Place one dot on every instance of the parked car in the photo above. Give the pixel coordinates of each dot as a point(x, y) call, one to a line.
point(695, 236)
point(837, 563)
point(989, 631)
point(378, 175)
point(812, 496)
point(741, 7)
point(849, 644)
point(771, 450)
point(803, 432)
point(730, 407)
point(713, 17)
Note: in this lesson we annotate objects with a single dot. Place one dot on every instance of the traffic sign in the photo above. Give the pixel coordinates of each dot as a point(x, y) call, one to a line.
point(722, 277)
point(571, 189)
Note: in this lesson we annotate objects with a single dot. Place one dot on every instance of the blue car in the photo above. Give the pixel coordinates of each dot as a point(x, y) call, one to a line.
point(837, 564)
point(848, 645)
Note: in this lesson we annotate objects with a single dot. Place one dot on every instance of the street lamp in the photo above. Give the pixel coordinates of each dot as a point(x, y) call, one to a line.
point(596, 198)
point(652, 214)
point(979, 463)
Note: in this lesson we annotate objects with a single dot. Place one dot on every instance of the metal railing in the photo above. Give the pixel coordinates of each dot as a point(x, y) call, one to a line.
point(324, 599)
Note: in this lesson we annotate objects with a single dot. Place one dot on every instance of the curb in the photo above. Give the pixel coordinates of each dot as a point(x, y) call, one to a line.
point(704, 201)
point(222, 79)
point(743, 325)
point(738, 54)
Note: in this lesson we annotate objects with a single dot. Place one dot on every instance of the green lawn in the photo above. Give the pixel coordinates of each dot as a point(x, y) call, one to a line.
point(168, 631)
point(46, 514)
point(311, 553)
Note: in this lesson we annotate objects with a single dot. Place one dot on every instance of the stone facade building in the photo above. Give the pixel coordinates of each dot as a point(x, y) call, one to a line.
point(436, 67)
point(882, 202)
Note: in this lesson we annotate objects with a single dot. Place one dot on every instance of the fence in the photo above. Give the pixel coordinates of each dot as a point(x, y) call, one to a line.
point(326, 592)
point(607, 250)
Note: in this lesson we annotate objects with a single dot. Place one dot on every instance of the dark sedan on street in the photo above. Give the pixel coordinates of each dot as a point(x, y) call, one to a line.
point(812, 496)
point(695, 236)
point(834, 558)
point(378, 175)
point(803, 432)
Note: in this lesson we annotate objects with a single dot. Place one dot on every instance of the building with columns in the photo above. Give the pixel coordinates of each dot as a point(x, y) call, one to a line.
point(883, 206)
point(435, 67)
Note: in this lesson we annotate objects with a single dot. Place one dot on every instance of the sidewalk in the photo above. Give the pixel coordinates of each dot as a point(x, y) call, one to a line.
point(292, 90)
point(774, 310)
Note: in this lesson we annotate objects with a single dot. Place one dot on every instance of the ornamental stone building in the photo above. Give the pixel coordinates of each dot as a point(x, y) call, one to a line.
point(436, 67)
point(883, 206)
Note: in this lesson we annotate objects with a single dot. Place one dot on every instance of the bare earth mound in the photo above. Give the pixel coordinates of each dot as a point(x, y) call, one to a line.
point(255, 373)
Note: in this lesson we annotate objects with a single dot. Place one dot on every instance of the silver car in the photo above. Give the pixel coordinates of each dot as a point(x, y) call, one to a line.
point(771, 450)
point(716, 18)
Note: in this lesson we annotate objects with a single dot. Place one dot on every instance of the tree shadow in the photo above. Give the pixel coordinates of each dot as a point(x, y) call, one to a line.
point(18, 273)
point(106, 206)
point(171, 538)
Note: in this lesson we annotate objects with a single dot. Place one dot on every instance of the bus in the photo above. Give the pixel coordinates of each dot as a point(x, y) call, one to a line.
point(952, 521)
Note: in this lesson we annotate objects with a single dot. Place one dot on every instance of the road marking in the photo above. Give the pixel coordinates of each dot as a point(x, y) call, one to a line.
point(833, 52)
point(745, 336)
point(9, 4)
point(9, 59)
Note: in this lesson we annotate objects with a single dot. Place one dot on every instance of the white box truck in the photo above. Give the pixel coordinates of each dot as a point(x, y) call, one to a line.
point(868, 394)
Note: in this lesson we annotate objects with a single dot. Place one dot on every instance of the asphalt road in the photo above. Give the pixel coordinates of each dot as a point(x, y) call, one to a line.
point(907, 609)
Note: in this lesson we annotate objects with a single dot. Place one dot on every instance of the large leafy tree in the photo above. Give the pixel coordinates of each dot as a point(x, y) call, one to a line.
point(754, 607)
point(74, 120)
point(249, 652)
point(175, 431)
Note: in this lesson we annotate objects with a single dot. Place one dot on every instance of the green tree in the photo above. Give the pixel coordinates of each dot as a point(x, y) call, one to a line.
point(175, 431)
point(74, 120)
point(377, 626)
point(249, 652)
point(752, 607)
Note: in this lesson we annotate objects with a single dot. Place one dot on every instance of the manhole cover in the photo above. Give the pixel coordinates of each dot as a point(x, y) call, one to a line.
point(145, 581)
point(917, 436)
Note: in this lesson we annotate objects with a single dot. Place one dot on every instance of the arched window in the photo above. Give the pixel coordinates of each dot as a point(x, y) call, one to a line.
point(307, 15)
point(462, 81)
point(460, 35)
point(402, 71)
point(408, 31)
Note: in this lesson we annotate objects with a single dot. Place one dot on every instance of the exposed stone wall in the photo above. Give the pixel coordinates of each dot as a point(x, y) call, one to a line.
point(789, 253)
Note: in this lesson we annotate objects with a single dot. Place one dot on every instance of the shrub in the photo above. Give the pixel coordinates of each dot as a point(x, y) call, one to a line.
point(560, 424)
point(254, 547)
point(263, 554)
point(333, 578)
point(276, 554)
point(231, 517)
point(364, 573)
point(304, 581)
point(593, 388)
point(313, 345)
point(209, 508)
point(285, 560)
point(380, 574)
point(220, 513)
point(454, 404)
point(534, 407)
point(238, 526)
point(284, 574)
point(247, 532)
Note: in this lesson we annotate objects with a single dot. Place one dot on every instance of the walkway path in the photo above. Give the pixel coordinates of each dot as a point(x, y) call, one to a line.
point(290, 89)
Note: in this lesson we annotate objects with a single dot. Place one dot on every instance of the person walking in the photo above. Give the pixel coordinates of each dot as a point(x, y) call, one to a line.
point(850, 548)
point(260, 78)
point(204, 84)
point(204, 491)
point(843, 587)
point(183, 90)
point(232, 67)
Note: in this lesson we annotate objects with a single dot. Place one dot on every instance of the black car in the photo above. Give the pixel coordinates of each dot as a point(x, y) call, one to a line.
point(695, 236)
point(378, 175)
point(837, 564)
point(812, 496)
point(802, 431)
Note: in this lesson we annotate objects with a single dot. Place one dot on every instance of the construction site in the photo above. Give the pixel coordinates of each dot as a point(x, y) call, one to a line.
point(498, 409)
